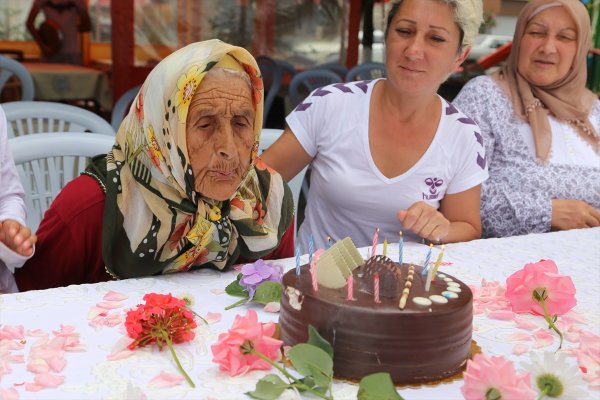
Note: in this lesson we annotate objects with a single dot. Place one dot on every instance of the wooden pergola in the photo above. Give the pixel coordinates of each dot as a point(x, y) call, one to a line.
point(125, 74)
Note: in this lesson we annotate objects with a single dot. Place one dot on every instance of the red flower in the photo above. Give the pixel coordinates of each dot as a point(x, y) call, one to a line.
point(258, 213)
point(164, 319)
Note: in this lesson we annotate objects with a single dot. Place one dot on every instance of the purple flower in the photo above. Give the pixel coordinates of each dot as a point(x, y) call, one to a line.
point(257, 273)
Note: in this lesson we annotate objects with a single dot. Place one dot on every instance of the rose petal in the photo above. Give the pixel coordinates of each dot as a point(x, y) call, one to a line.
point(33, 387)
point(217, 291)
point(503, 315)
point(36, 332)
point(273, 307)
point(110, 305)
point(114, 296)
point(120, 349)
point(519, 349)
point(9, 394)
point(524, 323)
point(37, 366)
point(165, 380)
point(57, 364)
point(212, 317)
point(518, 337)
point(543, 338)
point(96, 311)
point(49, 380)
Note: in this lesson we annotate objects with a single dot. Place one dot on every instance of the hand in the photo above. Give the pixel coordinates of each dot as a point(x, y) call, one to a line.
point(595, 51)
point(17, 237)
point(573, 214)
point(425, 221)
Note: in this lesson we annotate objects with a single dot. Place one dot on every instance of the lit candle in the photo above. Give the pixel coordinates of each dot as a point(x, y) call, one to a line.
point(375, 240)
point(384, 247)
point(376, 287)
point(313, 275)
point(297, 260)
point(400, 248)
point(426, 263)
point(351, 288)
point(328, 242)
point(311, 248)
point(438, 262)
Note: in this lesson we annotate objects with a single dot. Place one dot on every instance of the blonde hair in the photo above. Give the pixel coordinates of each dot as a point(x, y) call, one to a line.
point(468, 15)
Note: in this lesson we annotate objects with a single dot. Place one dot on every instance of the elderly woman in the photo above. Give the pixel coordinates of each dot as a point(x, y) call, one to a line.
point(391, 153)
point(181, 186)
point(540, 126)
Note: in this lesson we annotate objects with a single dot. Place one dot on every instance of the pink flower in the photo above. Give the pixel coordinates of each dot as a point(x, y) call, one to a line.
point(495, 377)
point(559, 289)
point(235, 351)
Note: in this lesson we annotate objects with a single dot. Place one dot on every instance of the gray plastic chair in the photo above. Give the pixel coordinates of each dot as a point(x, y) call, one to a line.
point(272, 73)
point(336, 67)
point(10, 67)
point(122, 106)
point(26, 117)
point(305, 82)
point(366, 71)
point(46, 162)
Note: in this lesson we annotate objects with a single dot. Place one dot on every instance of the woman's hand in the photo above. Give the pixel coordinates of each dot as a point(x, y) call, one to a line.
point(425, 221)
point(573, 214)
point(17, 237)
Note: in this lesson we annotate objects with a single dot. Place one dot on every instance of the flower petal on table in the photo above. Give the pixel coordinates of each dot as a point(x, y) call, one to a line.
point(503, 315)
point(33, 387)
point(525, 323)
point(95, 312)
point(120, 349)
point(114, 296)
point(518, 337)
point(165, 380)
point(49, 380)
point(12, 332)
point(57, 364)
point(212, 317)
point(65, 330)
point(273, 307)
point(110, 305)
point(9, 394)
point(38, 365)
point(217, 291)
point(36, 333)
point(543, 338)
point(519, 349)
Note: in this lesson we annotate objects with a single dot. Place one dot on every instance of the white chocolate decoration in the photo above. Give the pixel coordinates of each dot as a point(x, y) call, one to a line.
point(453, 284)
point(441, 275)
point(454, 289)
point(422, 301)
point(450, 295)
point(436, 298)
point(448, 279)
point(295, 297)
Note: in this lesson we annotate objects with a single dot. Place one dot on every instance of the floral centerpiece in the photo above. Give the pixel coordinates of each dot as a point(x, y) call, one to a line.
point(259, 282)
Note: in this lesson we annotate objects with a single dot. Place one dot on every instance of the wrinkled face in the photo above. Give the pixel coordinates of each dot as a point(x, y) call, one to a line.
point(548, 47)
point(422, 46)
point(220, 134)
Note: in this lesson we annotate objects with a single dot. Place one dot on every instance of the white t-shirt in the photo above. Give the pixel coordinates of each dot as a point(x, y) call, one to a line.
point(348, 194)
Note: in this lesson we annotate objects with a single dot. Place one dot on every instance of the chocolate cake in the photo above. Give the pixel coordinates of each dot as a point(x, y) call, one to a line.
point(428, 340)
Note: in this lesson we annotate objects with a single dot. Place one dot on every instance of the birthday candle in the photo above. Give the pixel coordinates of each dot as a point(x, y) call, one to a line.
point(375, 240)
point(311, 248)
point(385, 246)
point(428, 280)
point(438, 262)
point(426, 263)
point(328, 242)
point(400, 249)
point(351, 288)
point(297, 260)
point(313, 275)
point(376, 287)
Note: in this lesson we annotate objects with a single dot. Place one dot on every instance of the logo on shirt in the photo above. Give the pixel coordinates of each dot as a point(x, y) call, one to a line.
point(433, 184)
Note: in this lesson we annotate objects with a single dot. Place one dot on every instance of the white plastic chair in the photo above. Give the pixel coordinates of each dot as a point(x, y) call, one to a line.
point(46, 162)
point(122, 107)
point(366, 71)
point(10, 67)
point(267, 138)
point(26, 117)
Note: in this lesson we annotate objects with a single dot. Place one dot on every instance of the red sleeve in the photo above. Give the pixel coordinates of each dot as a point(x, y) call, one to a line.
point(69, 246)
point(286, 245)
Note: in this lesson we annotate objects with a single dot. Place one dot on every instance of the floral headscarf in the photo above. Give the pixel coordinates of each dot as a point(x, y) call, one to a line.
point(154, 221)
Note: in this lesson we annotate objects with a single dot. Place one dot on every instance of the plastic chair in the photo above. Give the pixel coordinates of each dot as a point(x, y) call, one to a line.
point(122, 107)
point(271, 72)
point(10, 67)
point(267, 138)
point(336, 67)
point(46, 162)
point(366, 71)
point(25, 117)
point(305, 82)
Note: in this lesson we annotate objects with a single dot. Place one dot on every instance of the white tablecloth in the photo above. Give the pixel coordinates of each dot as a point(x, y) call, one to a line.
point(88, 374)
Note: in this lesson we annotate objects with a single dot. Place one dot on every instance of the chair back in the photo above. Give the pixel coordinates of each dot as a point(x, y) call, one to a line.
point(267, 138)
point(26, 117)
point(10, 67)
point(271, 73)
point(336, 67)
point(46, 162)
point(122, 107)
point(366, 71)
point(305, 82)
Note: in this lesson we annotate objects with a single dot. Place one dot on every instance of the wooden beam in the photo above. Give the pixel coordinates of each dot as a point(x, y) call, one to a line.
point(353, 29)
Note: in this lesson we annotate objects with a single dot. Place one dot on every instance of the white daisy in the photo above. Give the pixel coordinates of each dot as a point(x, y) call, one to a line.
point(554, 377)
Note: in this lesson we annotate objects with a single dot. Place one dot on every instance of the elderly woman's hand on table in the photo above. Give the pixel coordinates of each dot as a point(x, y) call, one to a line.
point(573, 214)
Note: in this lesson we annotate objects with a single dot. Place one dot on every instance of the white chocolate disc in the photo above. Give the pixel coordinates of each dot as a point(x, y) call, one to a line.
point(453, 284)
point(450, 295)
point(436, 298)
point(454, 289)
point(422, 301)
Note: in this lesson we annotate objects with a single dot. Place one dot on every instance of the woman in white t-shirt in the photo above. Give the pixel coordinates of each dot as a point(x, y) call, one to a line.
point(390, 153)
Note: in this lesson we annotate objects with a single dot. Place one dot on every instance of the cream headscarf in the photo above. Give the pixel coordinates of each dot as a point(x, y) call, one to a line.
point(568, 99)
point(154, 221)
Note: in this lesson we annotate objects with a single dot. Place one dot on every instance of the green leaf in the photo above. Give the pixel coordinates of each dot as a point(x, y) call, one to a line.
point(268, 388)
point(235, 289)
point(312, 361)
point(316, 339)
point(267, 292)
point(377, 386)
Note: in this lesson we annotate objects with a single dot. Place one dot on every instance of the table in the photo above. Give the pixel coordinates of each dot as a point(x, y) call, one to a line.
point(70, 82)
point(88, 374)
